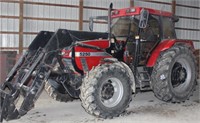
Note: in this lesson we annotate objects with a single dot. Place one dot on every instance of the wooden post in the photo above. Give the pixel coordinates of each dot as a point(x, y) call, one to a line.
point(21, 25)
point(131, 3)
point(80, 14)
point(174, 7)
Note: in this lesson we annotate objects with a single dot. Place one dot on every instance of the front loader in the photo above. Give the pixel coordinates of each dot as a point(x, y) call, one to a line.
point(140, 51)
point(27, 78)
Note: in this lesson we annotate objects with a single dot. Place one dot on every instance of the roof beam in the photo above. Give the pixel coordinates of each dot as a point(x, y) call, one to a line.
point(21, 25)
point(80, 14)
point(131, 3)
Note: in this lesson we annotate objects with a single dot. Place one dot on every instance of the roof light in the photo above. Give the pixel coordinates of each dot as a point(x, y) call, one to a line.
point(116, 12)
point(131, 10)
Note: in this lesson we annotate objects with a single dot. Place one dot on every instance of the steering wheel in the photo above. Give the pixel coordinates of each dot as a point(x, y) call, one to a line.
point(118, 46)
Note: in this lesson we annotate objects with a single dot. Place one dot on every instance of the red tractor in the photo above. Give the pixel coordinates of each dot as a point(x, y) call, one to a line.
point(140, 51)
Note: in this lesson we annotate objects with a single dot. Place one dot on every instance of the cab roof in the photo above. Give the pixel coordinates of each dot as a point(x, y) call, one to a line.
point(136, 11)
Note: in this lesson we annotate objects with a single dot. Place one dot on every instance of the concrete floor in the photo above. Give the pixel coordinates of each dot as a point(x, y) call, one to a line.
point(144, 108)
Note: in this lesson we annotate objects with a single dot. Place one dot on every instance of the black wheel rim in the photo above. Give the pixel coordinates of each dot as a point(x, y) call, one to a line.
point(181, 75)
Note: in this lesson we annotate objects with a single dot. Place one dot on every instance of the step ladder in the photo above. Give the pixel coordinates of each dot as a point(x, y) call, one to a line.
point(144, 79)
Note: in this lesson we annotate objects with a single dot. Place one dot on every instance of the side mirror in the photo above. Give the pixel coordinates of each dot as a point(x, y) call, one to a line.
point(175, 18)
point(144, 15)
point(91, 22)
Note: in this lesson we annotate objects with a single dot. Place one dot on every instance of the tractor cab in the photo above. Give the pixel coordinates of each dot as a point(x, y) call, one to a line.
point(136, 32)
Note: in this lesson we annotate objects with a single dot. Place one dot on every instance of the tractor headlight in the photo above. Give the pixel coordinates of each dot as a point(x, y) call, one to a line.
point(63, 53)
point(112, 40)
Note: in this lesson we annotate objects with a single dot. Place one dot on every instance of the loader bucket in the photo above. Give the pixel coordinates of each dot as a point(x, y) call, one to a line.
point(40, 40)
point(8, 110)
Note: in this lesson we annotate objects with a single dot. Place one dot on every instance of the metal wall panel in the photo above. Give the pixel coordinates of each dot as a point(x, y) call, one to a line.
point(8, 40)
point(89, 13)
point(36, 11)
point(189, 12)
point(102, 4)
point(44, 11)
point(166, 1)
point(189, 23)
point(9, 24)
point(163, 7)
point(28, 39)
point(197, 45)
point(106, 3)
point(37, 26)
point(11, 9)
point(71, 2)
point(188, 2)
point(184, 34)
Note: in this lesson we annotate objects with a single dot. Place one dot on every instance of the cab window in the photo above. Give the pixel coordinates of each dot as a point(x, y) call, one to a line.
point(168, 28)
point(152, 31)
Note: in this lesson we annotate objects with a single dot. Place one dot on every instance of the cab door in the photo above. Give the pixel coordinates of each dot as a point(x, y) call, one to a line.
point(150, 37)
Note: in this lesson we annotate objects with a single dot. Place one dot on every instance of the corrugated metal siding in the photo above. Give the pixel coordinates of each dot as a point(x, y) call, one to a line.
point(106, 3)
point(71, 2)
point(188, 23)
point(45, 11)
point(38, 11)
point(9, 9)
point(158, 6)
point(9, 40)
point(102, 4)
point(9, 24)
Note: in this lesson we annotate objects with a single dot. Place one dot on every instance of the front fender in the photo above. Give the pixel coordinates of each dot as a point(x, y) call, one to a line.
point(132, 78)
point(164, 45)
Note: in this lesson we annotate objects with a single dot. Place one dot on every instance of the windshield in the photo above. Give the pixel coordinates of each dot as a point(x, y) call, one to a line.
point(124, 26)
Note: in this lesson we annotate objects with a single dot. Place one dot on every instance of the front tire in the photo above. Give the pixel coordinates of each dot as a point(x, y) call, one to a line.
point(106, 91)
point(174, 75)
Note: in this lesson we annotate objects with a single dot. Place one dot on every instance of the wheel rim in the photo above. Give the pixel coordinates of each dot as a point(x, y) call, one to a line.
point(111, 92)
point(181, 75)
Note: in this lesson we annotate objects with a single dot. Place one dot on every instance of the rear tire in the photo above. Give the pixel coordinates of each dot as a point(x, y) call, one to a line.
point(106, 91)
point(174, 75)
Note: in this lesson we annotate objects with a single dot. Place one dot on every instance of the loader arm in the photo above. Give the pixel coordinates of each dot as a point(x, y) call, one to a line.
point(30, 72)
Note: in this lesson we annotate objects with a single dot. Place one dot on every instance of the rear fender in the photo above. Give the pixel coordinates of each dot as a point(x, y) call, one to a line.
point(164, 45)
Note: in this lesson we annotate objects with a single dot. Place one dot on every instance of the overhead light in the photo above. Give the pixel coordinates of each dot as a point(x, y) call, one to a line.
point(131, 10)
point(116, 12)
